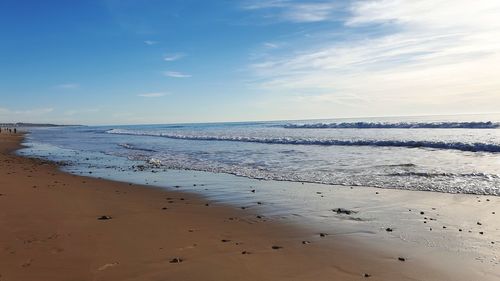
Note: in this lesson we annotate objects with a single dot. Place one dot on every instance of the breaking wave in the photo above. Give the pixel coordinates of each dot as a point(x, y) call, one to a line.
point(471, 147)
point(401, 125)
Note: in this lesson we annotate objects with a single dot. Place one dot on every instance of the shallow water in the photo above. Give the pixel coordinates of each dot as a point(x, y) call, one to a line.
point(455, 154)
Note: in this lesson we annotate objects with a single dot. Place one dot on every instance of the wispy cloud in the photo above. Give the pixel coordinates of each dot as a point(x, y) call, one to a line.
point(176, 74)
point(173, 57)
point(271, 45)
point(67, 86)
point(81, 111)
point(153, 95)
point(295, 11)
point(25, 115)
point(150, 42)
point(426, 51)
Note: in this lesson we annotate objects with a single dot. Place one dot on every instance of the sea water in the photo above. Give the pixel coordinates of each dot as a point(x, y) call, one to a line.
point(453, 154)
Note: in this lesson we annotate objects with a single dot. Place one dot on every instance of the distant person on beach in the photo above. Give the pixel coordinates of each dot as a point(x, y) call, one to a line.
point(15, 131)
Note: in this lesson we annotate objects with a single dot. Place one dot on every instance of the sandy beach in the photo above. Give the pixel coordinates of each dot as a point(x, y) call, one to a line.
point(59, 226)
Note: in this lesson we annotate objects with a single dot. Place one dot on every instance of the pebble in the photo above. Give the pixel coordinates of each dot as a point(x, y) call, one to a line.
point(104, 218)
point(176, 260)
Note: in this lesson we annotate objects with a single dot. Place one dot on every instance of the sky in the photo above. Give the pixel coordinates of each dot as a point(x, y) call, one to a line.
point(154, 61)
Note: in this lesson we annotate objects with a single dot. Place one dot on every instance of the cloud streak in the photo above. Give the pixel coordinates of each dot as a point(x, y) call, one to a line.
point(152, 95)
point(173, 57)
point(176, 74)
point(428, 52)
point(295, 11)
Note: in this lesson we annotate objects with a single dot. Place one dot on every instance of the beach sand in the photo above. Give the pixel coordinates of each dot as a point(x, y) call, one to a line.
point(59, 226)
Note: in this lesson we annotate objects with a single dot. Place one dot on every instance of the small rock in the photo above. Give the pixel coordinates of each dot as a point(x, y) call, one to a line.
point(323, 234)
point(421, 212)
point(176, 260)
point(401, 259)
point(388, 229)
point(366, 275)
point(481, 232)
point(479, 223)
point(253, 190)
point(276, 247)
point(245, 253)
point(104, 218)
point(306, 242)
point(344, 211)
point(225, 240)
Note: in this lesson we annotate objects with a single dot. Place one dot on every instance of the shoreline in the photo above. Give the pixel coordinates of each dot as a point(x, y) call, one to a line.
point(51, 230)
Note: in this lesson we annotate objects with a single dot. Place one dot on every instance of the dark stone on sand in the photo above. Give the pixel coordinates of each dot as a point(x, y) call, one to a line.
point(164, 208)
point(481, 232)
point(245, 253)
point(401, 259)
point(176, 260)
point(253, 190)
point(479, 223)
point(306, 242)
point(444, 226)
point(225, 240)
point(388, 229)
point(344, 211)
point(460, 229)
point(422, 213)
point(104, 218)
point(323, 234)
point(243, 208)
point(276, 247)
point(259, 217)
point(207, 204)
point(366, 275)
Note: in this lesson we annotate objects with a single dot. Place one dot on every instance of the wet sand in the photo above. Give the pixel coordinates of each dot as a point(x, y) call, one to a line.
point(58, 226)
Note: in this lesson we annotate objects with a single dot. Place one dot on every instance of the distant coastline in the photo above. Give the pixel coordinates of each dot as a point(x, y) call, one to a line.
point(21, 124)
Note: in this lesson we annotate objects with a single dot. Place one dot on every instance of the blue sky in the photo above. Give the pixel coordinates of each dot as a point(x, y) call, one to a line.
point(152, 61)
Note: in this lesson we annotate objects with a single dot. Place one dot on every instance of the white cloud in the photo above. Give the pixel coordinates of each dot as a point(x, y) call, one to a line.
point(150, 42)
point(270, 45)
point(176, 74)
point(152, 95)
point(67, 86)
point(293, 11)
point(431, 52)
point(173, 57)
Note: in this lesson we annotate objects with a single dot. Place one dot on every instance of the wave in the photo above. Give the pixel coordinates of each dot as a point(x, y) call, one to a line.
point(401, 125)
point(131, 147)
point(471, 147)
point(436, 174)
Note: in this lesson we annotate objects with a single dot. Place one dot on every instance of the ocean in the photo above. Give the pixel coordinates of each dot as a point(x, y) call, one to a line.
point(452, 154)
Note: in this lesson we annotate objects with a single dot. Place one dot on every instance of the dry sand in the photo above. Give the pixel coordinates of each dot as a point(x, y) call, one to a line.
point(50, 230)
